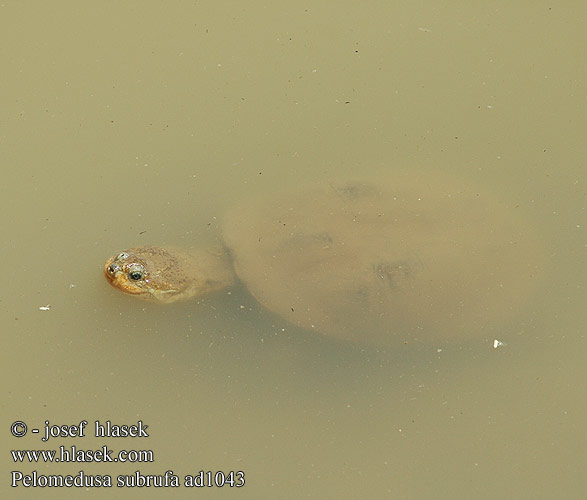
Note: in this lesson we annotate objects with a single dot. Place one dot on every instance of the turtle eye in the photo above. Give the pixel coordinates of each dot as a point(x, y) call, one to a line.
point(135, 273)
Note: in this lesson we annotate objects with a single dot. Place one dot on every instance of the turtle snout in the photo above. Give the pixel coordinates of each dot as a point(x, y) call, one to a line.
point(112, 269)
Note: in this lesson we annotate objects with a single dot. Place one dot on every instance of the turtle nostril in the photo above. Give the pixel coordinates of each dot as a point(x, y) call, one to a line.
point(110, 269)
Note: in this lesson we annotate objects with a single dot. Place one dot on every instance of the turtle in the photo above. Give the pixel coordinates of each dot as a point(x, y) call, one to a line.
point(358, 260)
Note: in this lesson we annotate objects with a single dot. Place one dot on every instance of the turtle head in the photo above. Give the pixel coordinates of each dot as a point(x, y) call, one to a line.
point(166, 274)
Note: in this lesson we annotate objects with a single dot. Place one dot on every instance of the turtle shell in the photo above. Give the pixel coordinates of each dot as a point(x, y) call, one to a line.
point(379, 263)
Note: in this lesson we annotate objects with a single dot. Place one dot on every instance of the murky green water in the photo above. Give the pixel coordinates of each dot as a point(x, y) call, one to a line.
point(144, 123)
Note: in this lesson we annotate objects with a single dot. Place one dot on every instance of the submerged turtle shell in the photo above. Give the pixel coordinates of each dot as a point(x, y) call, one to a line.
point(372, 263)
